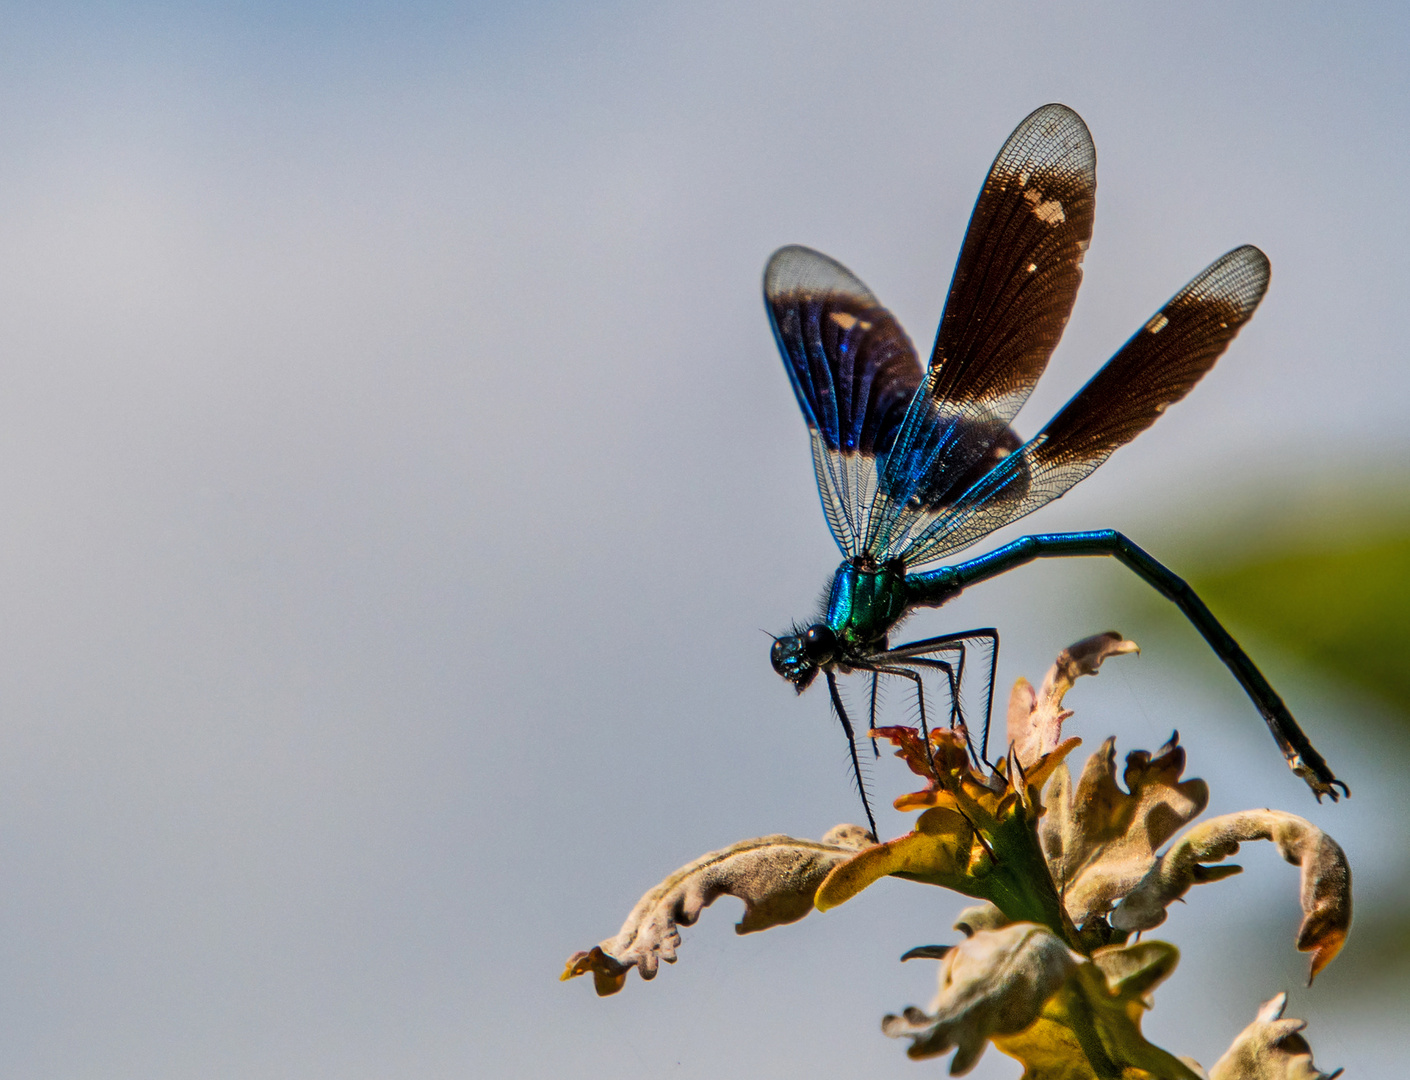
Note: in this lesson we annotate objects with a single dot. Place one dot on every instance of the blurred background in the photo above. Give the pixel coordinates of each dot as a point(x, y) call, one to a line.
point(398, 473)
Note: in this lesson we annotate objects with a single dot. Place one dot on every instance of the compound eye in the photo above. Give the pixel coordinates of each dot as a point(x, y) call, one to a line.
point(784, 654)
point(819, 644)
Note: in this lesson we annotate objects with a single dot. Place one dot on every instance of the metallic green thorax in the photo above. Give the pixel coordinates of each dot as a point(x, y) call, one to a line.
point(865, 603)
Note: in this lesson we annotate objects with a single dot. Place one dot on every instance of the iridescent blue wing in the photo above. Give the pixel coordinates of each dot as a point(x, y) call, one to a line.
point(854, 372)
point(1156, 368)
point(1013, 289)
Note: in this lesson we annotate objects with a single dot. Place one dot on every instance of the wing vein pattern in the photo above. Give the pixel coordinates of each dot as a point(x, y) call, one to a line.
point(1157, 367)
point(893, 444)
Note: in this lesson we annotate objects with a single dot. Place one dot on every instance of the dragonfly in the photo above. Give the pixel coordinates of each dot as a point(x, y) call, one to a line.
point(914, 464)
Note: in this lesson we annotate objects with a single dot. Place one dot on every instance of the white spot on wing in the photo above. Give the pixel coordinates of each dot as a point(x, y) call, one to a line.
point(1048, 211)
point(1158, 323)
point(1032, 267)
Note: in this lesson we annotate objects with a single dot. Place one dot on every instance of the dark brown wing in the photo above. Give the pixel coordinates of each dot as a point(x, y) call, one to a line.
point(1156, 368)
point(853, 370)
point(1017, 275)
point(1012, 292)
point(1161, 363)
point(852, 366)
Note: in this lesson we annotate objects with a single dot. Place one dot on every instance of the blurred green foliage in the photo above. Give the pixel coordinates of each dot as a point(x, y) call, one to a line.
point(1343, 608)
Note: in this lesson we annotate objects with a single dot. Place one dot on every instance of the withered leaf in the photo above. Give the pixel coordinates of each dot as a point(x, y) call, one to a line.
point(985, 847)
point(1326, 876)
point(1035, 717)
point(1062, 1016)
point(1270, 1048)
point(1099, 840)
point(992, 983)
point(1035, 740)
point(978, 833)
point(1091, 1028)
point(1134, 971)
point(775, 876)
point(941, 850)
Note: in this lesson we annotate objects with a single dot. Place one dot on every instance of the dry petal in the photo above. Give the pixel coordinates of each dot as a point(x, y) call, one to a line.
point(992, 983)
point(1326, 876)
point(775, 876)
point(1099, 840)
point(1270, 1048)
point(1035, 718)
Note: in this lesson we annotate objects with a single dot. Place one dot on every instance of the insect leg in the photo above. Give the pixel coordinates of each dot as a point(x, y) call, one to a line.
point(906, 673)
point(953, 674)
point(987, 634)
point(851, 748)
point(875, 750)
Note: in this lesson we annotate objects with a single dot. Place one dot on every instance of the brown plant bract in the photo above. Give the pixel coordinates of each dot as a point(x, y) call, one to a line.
point(1270, 1048)
point(775, 876)
point(1325, 879)
point(1035, 717)
point(992, 983)
point(1091, 1028)
point(1100, 840)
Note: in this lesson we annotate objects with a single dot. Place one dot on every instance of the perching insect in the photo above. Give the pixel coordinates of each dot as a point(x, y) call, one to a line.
point(915, 464)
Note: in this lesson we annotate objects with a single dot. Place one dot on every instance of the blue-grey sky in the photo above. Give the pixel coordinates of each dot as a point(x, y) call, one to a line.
point(396, 472)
